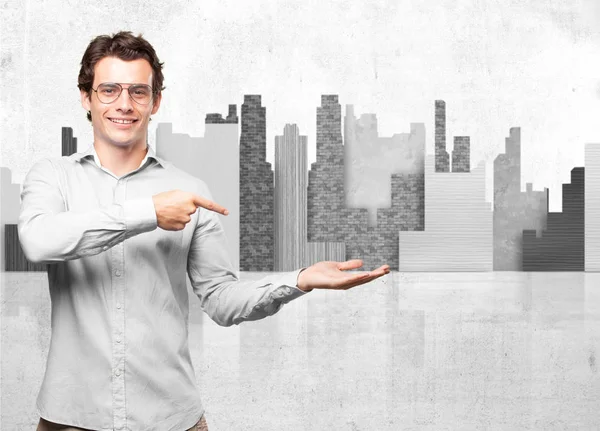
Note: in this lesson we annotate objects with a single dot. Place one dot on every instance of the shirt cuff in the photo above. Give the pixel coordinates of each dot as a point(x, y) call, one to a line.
point(140, 215)
point(291, 290)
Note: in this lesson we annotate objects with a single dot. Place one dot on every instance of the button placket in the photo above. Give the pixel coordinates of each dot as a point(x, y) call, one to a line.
point(118, 345)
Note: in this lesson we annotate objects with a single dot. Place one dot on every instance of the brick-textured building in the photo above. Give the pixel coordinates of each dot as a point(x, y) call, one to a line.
point(461, 155)
point(327, 216)
point(329, 220)
point(370, 160)
point(256, 190)
point(592, 207)
point(216, 118)
point(561, 246)
point(442, 158)
point(514, 211)
point(291, 181)
point(407, 213)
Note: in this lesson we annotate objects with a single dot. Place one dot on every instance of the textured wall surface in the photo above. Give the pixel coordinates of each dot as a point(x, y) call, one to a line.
point(503, 351)
point(475, 351)
point(496, 64)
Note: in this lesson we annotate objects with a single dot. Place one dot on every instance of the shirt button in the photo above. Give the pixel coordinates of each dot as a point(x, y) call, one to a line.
point(118, 305)
point(118, 339)
point(117, 373)
point(105, 248)
point(118, 273)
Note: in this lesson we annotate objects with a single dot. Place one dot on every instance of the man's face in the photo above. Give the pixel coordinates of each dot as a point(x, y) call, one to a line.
point(124, 122)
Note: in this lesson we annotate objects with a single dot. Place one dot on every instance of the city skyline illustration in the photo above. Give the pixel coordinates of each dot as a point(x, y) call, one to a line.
point(379, 199)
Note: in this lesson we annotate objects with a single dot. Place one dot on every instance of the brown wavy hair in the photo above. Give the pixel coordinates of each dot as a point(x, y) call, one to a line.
point(123, 45)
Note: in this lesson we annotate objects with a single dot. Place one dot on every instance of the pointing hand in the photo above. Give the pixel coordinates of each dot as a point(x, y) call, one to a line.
point(174, 208)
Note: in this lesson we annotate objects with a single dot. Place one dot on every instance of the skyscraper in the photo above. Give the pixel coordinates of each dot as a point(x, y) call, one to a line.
point(256, 190)
point(291, 181)
point(442, 159)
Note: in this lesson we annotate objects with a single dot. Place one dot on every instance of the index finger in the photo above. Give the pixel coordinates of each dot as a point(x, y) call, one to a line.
point(199, 201)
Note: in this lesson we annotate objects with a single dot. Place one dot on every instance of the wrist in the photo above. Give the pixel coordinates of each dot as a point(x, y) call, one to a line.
point(300, 283)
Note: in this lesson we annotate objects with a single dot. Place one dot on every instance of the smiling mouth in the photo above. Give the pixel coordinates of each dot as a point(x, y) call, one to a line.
point(120, 121)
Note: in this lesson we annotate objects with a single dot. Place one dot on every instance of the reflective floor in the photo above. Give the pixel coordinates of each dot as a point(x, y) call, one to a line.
point(443, 351)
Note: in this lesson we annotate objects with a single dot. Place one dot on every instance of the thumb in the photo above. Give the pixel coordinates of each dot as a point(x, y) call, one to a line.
point(350, 264)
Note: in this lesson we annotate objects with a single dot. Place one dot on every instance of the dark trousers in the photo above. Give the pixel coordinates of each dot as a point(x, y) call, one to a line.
point(45, 425)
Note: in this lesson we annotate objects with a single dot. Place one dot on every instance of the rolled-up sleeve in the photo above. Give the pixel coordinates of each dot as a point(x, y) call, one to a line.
point(225, 298)
point(49, 233)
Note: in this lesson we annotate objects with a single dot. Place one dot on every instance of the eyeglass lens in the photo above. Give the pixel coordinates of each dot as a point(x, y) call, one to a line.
point(109, 92)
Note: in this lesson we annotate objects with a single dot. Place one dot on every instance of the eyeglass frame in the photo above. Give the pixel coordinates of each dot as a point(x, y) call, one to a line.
point(152, 92)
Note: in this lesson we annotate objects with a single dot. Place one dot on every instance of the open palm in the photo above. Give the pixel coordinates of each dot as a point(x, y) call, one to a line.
point(332, 275)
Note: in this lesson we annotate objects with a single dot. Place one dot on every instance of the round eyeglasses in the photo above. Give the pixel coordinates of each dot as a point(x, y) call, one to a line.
point(108, 92)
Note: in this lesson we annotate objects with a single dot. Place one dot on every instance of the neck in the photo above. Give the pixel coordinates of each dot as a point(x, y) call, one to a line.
point(120, 160)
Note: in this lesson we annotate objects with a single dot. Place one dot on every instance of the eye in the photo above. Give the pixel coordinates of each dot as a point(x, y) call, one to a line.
point(108, 89)
point(141, 91)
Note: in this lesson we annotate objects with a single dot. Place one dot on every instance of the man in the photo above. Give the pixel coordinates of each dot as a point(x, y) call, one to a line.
point(119, 356)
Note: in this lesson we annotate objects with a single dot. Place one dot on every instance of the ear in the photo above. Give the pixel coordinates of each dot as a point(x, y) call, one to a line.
point(85, 100)
point(156, 103)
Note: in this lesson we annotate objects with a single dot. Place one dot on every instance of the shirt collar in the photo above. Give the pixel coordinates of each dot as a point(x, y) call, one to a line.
point(91, 153)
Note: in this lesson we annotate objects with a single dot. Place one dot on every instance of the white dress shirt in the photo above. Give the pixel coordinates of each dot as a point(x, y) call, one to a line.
point(119, 356)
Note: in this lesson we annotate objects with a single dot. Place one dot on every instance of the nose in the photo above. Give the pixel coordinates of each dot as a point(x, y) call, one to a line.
point(124, 102)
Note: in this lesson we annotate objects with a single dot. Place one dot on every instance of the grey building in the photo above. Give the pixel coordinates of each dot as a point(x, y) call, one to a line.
point(461, 155)
point(561, 247)
point(256, 190)
point(514, 211)
point(370, 160)
point(592, 207)
point(291, 181)
point(214, 159)
point(69, 142)
point(328, 219)
point(458, 224)
point(442, 159)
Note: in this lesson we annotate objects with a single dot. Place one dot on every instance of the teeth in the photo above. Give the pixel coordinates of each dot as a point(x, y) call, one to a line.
point(115, 120)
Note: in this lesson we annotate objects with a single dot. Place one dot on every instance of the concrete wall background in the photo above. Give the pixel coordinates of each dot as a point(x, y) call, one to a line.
point(496, 65)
